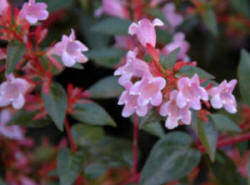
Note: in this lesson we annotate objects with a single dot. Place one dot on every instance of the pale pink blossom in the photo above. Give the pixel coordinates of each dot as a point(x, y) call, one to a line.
point(145, 31)
point(174, 112)
point(222, 96)
point(33, 12)
point(2, 55)
point(134, 67)
point(3, 6)
point(116, 8)
point(27, 181)
point(190, 93)
point(70, 50)
point(174, 19)
point(11, 132)
point(178, 42)
point(130, 103)
point(149, 90)
point(12, 92)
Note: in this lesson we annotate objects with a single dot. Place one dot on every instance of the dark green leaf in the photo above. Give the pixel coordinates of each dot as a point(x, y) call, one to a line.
point(2, 182)
point(152, 116)
point(25, 118)
point(169, 61)
point(191, 70)
point(107, 87)
point(224, 124)
point(55, 103)
point(15, 52)
point(69, 166)
point(55, 5)
point(95, 170)
point(244, 77)
point(242, 6)
point(209, 19)
point(93, 114)
point(155, 129)
point(112, 26)
point(170, 159)
point(163, 36)
point(156, 12)
point(208, 136)
point(87, 134)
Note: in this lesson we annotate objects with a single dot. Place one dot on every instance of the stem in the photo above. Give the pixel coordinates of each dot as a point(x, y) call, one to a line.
point(70, 137)
point(135, 146)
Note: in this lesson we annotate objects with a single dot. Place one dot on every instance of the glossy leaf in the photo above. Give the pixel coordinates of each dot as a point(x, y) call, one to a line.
point(154, 128)
point(170, 159)
point(69, 166)
point(209, 19)
point(15, 52)
point(107, 87)
point(57, 5)
point(208, 136)
point(244, 77)
point(112, 26)
point(191, 70)
point(224, 124)
point(169, 61)
point(93, 114)
point(55, 103)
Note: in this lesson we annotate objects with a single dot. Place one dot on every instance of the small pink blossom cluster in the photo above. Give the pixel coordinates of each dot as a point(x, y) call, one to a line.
point(146, 83)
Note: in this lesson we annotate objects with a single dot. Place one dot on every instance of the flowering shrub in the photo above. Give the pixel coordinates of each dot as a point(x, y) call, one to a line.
point(66, 122)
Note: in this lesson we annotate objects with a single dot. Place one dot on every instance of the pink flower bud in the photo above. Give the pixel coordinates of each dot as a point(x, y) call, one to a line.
point(12, 92)
point(70, 50)
point(174, 112)
point(222, 96)
point(190, 93)
point(33, 12)
point(145, 31)
point(3, 6)
point(11, 132)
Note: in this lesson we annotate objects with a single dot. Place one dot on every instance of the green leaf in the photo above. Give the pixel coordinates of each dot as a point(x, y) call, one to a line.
point(152, 116)
point(242, 6)
point(2, 182)
point(155, 129)
point(191, 70)
point(93, 114)
point(208, 136)
point(55, 103)
point(156, 12)
point(224, 124)
point(15, 52)
point(170, 159)
point(163, 36)
point(69, 166)
point(169, 61)
point(95, 170)
point(25, 118)
point(87, 134)
point(56, 5)
point(107, 87)
point(209, 19)
point(112, 26)
point(244, 77)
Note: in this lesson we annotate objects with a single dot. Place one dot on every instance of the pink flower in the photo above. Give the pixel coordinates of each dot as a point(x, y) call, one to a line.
point(130, 102)
point(70, 50)
point(11, 132)
point(4, 5)
point(2, 55)
point(178, 42)
point(149, 90)
point(33, 12)
point(114, 8)
point(174, 112)
point(134, 67)
point(12, 92)
point(125, 42)
point(190, 93)
point(222, 96)
point(172, 17)
point(145, 31)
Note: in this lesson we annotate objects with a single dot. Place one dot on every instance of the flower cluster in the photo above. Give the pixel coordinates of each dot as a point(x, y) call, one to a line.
point(148, 84)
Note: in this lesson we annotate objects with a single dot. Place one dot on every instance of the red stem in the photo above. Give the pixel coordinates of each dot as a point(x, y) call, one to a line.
point(70, 137)
point(135, 147)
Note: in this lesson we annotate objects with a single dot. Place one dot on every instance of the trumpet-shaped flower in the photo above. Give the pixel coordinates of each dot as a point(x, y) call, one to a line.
point(222, 96)
point(114, 8)
point(178, 42)
point(145, 31)
point(130, 102)
point(11, 132)
point(70, 50)
point(12, 92)
point(149, 90)
point(33, 12)
point(173, 18)
point(174, 112)
point(4, 5)
point(190, 93)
